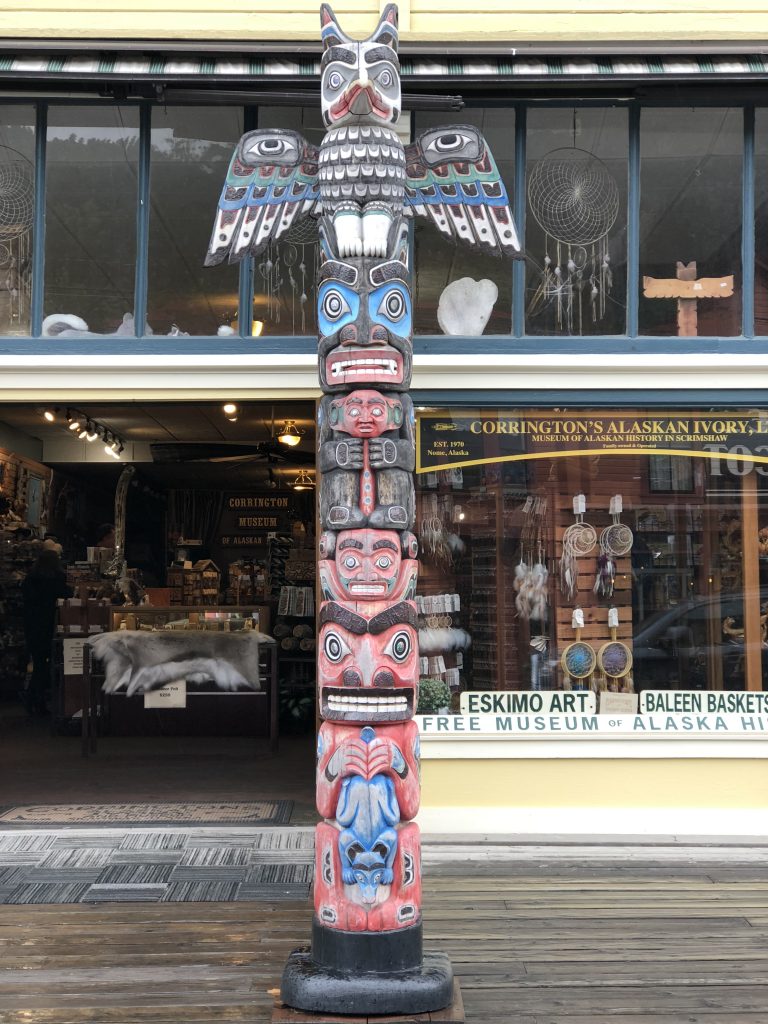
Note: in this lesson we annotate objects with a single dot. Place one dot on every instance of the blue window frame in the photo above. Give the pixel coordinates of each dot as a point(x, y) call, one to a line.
point(514, 342)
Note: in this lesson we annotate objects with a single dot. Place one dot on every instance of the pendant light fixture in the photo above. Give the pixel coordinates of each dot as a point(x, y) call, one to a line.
point(290, 434)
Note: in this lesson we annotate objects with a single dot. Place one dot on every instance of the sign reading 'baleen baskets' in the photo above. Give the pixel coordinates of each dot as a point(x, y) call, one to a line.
point(470, 438)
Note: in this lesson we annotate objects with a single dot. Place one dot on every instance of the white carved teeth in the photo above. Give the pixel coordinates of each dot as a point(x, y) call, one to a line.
point(352, 366)
point(340, 703)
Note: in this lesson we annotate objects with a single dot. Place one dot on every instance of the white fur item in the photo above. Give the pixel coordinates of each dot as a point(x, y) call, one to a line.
point(139, 661)
point(437, 640)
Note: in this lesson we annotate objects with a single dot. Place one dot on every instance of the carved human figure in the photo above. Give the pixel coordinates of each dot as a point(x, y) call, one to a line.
point(368, 565)
point(366, 453)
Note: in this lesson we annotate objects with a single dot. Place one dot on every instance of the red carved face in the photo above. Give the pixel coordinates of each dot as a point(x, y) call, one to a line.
point(366, 414)
point(368, 668)
point(368, 565)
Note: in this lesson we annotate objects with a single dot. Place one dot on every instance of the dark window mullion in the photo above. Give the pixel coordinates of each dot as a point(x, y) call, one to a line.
point(245, 290)
point(38, 230)
point(519, 266)
point(748, 226)
point(633, 222)
point(142, 222)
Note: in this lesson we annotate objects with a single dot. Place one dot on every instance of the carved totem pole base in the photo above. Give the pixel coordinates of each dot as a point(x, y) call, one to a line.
point(429, 994)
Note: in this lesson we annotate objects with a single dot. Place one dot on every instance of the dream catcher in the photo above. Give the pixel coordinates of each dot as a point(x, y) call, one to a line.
point(614, 659)
point(578, 660)
point(288, 274)
point(16, 209)
point(578, 541)
point(531, 573)
point(575, 201)
point(615, 541)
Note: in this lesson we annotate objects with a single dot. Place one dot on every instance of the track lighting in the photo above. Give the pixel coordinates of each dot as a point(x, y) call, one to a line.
point(50, 415)
point(290, 434)
point(230, 411)
point(91, 431)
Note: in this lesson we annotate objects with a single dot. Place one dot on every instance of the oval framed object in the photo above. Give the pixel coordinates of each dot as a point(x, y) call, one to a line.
point(615, 659)
point(578, 660)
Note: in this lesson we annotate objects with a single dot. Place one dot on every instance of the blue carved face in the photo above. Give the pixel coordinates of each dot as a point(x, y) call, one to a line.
point(390, 306)
point(337, 305)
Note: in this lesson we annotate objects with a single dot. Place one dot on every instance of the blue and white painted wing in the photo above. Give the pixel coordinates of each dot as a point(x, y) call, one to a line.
point(453, 179)
point(271, 183)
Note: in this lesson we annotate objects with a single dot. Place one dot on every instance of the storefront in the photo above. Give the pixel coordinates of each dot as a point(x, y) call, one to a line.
point(623, 359)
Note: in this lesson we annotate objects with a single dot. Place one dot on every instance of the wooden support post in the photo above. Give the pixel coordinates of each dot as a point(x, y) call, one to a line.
point(753, 651)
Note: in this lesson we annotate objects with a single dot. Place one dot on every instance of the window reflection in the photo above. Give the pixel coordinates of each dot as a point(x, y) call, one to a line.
point(190, 154)
point(576, 226)
point(438, 262)
point(690, 215)
point(17, 188)
point(507, 557)
point(90, 219)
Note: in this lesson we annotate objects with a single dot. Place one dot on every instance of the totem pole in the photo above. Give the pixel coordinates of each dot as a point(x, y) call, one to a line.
point(366, 956)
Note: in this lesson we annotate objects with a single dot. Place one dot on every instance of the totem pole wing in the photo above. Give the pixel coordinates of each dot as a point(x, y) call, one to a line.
point(271, 183)
point(453, 179)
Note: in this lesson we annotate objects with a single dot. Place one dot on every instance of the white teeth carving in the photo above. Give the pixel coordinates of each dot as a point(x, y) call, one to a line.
point(355, 366)
point(340, 703)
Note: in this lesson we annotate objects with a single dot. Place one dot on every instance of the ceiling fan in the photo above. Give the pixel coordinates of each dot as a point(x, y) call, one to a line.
point(263, 451)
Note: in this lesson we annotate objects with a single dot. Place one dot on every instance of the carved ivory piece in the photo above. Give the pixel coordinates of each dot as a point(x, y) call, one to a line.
point(366, 956)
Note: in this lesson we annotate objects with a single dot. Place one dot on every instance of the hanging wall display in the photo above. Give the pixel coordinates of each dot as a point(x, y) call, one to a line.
point(362, 183)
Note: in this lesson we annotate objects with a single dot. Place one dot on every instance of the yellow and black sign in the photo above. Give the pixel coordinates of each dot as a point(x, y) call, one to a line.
point(473, 437)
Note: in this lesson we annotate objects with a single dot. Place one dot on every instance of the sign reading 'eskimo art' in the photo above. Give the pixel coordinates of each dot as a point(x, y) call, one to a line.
point(362, 183)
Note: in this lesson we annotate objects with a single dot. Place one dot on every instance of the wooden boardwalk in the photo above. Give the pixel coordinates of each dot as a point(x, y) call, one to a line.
point(532, 943)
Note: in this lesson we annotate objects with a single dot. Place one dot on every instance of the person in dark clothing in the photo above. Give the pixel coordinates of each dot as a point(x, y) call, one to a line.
point(41, 589)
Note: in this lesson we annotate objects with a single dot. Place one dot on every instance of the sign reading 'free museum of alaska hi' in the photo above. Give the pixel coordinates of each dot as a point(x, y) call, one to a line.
point(466, 437)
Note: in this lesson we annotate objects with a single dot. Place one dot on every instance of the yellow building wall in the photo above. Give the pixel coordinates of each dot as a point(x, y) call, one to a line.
point(513, 21)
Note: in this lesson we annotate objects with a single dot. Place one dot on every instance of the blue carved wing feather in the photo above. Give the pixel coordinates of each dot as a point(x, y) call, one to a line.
point(271, 183)
point(453, 180)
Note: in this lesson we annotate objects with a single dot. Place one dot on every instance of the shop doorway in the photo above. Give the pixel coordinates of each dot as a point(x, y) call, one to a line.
point(174, 523)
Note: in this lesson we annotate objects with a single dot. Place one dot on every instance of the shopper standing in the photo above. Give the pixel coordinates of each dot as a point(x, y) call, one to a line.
point(44, 585)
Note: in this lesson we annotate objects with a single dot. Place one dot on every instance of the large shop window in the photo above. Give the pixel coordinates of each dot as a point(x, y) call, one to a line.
point(191, 149)
point(654, 525)
point(90, 219)
point(17, 191)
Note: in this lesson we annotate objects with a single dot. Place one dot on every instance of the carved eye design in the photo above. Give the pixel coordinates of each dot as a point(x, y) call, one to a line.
point(377, 411)
point(383, 562)
point(350, 562)
point(335, 648)
point(449, 143)
point(386, 78)
point(271, 147)
point(335, 81)
point(399, 647)
point(353, 413)
point(392, 306)
point(335, 305)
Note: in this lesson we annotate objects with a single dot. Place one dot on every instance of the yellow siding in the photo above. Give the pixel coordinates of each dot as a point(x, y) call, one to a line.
point(421, 20)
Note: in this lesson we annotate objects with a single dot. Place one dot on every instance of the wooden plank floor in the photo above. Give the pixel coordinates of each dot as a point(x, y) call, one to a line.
point(532, 943)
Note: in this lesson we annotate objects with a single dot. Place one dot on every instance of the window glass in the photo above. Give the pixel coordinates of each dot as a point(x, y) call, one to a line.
point(576, 221)
point(690, 220)
point(90, 219)
point(681, 557)
point(761, 221)
point(17, 200)
point(190, 154)
point(439, 262)
point(284, 292)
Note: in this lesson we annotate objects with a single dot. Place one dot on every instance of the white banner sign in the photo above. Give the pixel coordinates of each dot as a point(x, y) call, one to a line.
point(174, 695)
point(708, 702)
point(558, 724)
point(527, 702)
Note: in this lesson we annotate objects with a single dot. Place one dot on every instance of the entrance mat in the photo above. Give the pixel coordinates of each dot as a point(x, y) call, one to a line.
point(257, 812)
point(155, 865)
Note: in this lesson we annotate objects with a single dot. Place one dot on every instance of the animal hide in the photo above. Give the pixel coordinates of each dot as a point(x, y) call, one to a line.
point(137, 661)
point(437, 640)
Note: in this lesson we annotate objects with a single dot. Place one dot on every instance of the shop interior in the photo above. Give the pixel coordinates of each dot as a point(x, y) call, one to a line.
point(194, 519)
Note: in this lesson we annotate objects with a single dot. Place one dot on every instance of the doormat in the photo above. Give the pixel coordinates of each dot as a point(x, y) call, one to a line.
point(135, 865)
point(257, 812)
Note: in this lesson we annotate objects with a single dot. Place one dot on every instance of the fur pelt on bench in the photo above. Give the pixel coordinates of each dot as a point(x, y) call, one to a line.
point(139, 661)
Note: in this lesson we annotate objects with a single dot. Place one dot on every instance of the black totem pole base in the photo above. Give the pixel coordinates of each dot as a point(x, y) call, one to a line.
point(429, 994)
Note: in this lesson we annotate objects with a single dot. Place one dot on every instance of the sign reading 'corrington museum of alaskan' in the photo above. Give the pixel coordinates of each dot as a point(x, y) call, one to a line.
point(472, 437)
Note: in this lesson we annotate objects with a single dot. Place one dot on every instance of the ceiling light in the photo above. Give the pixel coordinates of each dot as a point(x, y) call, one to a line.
point(91, 431)
point(230, 409)
point(74, 424)
point(303, 482)
point(290, 434)
point(83, 434)
point(50, 415)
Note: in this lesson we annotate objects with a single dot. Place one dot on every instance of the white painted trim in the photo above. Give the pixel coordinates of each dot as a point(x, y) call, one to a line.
point(27, 377)
point(647, 746)
point(615, 821)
